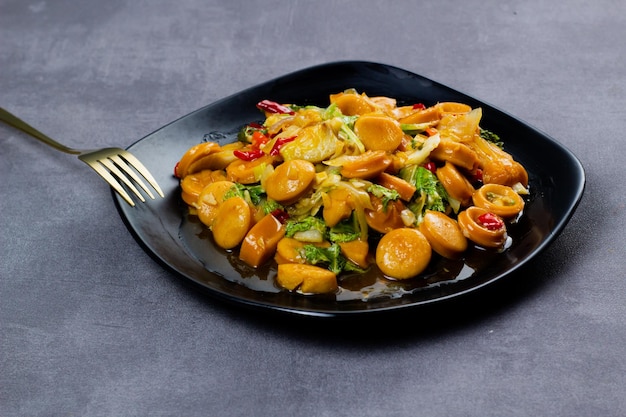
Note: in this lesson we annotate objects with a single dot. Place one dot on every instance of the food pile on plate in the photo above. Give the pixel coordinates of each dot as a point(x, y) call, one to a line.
point(362, 183)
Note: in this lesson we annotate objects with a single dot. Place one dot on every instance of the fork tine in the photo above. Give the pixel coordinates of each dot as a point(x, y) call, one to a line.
point(124, 166)
point(129, 157)
point(106, 175)
point(115, 170)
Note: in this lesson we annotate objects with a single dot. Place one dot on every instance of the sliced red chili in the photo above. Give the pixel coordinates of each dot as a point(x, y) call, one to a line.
point(490, 221)
point(273, 107)
point(258, 139)
point(248, 155)
point(281, 215)
point(176, 170)
point(478, 175)
point(280, 142)
point(419, 106)
point(431, 167)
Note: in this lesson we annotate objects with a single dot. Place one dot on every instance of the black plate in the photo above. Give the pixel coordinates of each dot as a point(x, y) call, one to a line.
point(165, 231)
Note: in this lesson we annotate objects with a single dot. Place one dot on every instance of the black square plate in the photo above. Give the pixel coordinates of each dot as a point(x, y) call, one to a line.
point(165, 230)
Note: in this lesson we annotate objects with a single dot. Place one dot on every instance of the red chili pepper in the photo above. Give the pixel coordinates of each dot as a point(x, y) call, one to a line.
point(478, 175)
point(258, 139)
point(431, 167)
point(176, 170)
point(255, 125)
point(248, 155)
point(419, 106)
point(273, 107)
point(281, 215)
point(280, 142)
point(490, 221)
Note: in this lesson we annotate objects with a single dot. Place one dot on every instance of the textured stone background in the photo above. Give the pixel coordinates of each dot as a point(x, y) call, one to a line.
point(91, 326)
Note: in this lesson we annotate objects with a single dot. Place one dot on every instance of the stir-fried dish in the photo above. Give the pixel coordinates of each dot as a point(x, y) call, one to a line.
point(363, 183)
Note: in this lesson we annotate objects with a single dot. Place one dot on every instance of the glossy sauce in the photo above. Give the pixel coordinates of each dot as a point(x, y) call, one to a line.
point(362, 287)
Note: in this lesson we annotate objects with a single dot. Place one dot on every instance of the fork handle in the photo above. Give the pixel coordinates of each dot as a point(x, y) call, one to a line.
point(19, 124)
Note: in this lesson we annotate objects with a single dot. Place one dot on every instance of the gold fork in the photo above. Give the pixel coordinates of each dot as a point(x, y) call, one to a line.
point(119, 162)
